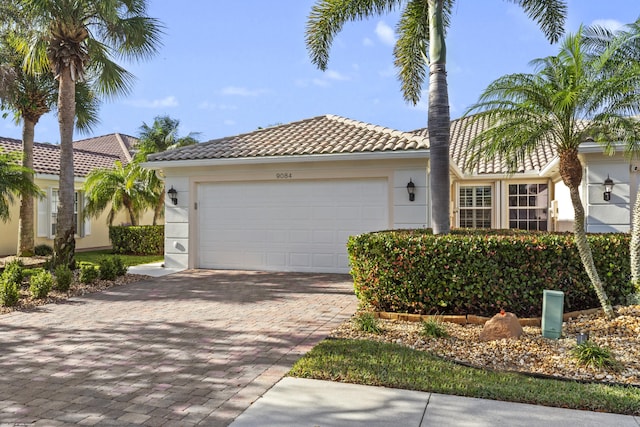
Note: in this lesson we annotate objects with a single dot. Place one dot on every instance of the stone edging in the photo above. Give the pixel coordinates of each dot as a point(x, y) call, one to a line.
point(472, 319)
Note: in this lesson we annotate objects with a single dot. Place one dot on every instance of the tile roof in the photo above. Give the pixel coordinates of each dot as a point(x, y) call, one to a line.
point(463, 130)
point(115, 144)
point(46, 158)
point(327, 134)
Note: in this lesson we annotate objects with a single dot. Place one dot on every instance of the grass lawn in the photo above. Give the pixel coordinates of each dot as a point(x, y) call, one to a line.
point(129, 260)
point(392, 365)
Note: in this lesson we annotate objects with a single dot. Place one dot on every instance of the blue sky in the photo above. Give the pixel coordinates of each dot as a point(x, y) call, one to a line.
point(229, 67)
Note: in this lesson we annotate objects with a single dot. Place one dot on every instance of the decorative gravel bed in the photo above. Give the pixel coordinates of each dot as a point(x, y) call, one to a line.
point(77, 289)
point(531, 353)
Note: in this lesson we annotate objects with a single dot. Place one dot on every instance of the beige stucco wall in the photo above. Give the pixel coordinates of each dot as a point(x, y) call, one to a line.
point(99, 233)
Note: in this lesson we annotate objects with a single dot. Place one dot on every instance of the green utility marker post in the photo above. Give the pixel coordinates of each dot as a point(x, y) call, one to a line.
point(552, 311)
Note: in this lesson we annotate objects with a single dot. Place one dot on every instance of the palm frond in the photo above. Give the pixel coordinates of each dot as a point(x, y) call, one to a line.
point(549, 14)
point(327, 18)
point(410, 51)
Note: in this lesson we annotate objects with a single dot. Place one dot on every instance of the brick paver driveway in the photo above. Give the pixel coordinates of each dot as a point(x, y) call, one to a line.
point(193, 348)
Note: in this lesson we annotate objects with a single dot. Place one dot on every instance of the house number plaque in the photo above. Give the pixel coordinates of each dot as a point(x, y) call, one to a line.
point(284, 175)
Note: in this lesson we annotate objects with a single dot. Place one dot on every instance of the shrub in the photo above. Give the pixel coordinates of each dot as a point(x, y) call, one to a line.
point(13, 272)
point(9, 292)
point(43, 250)
point(367, 322)
point(591, 354)
point(433, 328)
point(89, 272)
point(137, 240)
point(111, 267)
point(40, 284)
point(28, 272)
point(64, 277)
point(483, 271)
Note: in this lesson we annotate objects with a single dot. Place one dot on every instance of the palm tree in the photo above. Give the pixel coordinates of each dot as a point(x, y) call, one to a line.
point(120, 188)
point(13, 182)
point(422, 26)
point(161, 136)
point(78, 39)
point(623, 49)
point(572, 97)
point(30, 96)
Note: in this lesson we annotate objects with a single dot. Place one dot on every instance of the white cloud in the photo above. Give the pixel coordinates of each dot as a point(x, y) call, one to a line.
point(334, 75)
point(169, 101)
point(243, 91)
point(320, 82)
point(367, 42)
point(324, 80)
point(610, 24)
point(385, 34)
point(206, 105)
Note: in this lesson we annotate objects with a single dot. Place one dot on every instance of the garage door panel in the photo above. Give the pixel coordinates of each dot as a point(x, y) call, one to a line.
point(286, 226)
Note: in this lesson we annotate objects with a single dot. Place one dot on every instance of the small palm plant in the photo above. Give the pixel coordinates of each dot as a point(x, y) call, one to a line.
point(434, 328)
point(591, 354)
point(367, 322)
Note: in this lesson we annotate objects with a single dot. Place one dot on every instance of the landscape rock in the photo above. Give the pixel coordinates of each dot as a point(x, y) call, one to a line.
point(502, 325)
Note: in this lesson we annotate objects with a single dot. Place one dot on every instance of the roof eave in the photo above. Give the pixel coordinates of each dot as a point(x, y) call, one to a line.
point(373, 155)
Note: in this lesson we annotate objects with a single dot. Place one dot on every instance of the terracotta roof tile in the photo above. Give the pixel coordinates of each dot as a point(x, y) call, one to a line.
point(319, 135)
point(46, 158)
point(463, 130)
point(115, 144)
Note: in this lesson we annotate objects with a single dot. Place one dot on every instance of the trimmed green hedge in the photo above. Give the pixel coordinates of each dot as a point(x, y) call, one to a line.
point(137, 240)
point(480, 272)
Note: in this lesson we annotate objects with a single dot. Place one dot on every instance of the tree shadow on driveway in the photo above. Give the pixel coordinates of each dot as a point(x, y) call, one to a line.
point(197, 347)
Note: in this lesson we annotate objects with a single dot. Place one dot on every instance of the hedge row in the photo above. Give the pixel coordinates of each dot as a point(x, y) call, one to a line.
point(137, 240)
point(472, 272)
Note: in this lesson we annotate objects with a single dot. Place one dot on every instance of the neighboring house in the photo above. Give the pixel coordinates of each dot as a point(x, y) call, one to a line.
point(286, 198)
point(89, 154)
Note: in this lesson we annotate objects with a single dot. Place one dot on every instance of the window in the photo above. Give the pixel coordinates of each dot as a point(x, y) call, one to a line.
point(528, 206)
point(475, 207)
point(53, 213)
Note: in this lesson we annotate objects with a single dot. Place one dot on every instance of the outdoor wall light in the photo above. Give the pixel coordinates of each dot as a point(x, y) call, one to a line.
point(411, 189)
point(173, 195)
point(608, 186)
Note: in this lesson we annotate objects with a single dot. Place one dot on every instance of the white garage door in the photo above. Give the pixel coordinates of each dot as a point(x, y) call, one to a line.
point(287, 225)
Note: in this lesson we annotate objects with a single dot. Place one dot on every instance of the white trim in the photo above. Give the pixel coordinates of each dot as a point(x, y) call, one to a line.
point(596, 148)
point(549, 166)
point(52, 177)
point(502, 176)
point(378, 155)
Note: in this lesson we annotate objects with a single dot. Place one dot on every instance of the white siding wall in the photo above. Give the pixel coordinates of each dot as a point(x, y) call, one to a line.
point(176, 230)
point(614, 215)
point(181, 233)
point(408, 214)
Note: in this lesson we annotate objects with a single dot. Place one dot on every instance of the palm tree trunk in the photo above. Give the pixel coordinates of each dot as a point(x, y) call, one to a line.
point(634, 246)
point(571, 173)
point(586, 255)
point(159, 208)
point(438, 122)
point(133, 218)
point(26, 239)
point(65, 243)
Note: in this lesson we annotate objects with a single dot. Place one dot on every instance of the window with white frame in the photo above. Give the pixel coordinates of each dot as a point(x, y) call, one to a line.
point(48, 214)
point(54, 211)
point(475, 207)
point(529, 206)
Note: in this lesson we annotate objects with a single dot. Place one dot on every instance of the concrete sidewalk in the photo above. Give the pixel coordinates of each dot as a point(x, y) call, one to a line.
point(154, 269)
point(304, 402)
